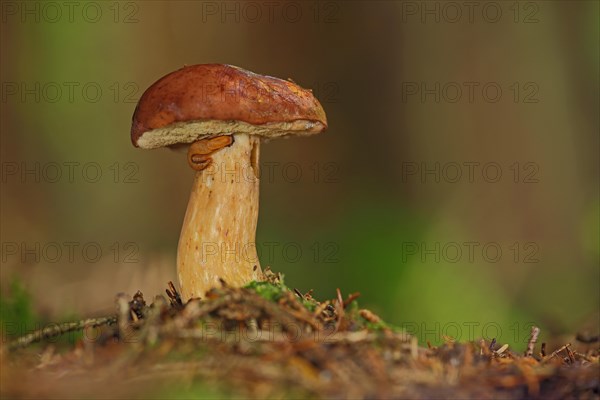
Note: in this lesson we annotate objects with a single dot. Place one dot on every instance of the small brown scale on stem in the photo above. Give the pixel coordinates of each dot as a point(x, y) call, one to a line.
point(200, 151)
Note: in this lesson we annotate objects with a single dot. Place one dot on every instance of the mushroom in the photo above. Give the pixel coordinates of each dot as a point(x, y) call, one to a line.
point(220, 113)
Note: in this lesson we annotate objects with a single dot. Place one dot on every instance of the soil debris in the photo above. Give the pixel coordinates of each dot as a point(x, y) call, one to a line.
point(266, 340)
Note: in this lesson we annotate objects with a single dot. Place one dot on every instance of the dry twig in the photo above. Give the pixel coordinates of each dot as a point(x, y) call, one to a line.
point(535, 332)
point(60, 329)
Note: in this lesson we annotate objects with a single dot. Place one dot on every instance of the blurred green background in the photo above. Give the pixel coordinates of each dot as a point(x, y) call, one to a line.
point(427, 103)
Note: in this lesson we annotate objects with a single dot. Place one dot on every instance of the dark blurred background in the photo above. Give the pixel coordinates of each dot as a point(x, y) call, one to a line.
point(456, 188)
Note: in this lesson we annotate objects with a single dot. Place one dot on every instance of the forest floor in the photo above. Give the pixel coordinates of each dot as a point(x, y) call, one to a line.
point(268, 341)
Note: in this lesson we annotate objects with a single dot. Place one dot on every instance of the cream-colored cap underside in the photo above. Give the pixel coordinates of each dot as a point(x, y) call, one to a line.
point(189, 132)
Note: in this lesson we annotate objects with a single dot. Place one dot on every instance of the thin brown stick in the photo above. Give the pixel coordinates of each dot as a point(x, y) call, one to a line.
point(570, 354)
point(59, 329)
point(339, 306)
point(543, 349)
point(340, 298)
point(556, 352)
point(351, 298)
point(174, 296)
point(535, 332)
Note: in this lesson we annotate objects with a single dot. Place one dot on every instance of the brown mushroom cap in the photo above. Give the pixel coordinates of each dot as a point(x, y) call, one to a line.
point(207, 100)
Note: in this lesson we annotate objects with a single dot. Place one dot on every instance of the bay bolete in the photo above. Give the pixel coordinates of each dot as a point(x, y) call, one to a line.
point(220, 113)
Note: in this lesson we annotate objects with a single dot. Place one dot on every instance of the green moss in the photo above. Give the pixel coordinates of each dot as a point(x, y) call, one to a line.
point(310, 305)
point(270, 291)
point(376, 326)
point(16, 310)
point(275, 291)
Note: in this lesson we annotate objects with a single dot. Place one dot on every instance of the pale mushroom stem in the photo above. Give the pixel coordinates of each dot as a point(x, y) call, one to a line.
point(217, 240)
